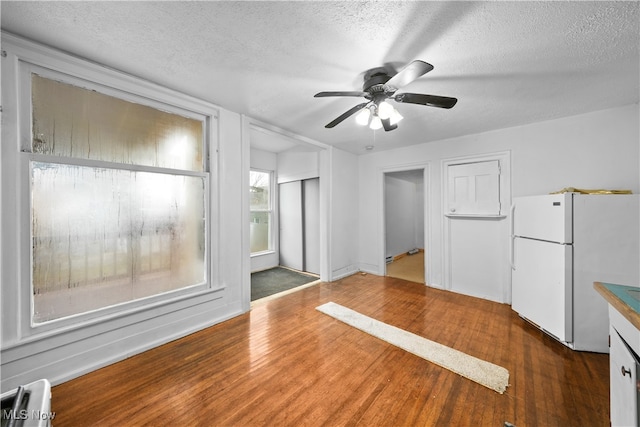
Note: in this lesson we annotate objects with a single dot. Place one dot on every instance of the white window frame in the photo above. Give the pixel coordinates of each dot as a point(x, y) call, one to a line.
point(270, 211)
point(16, 154)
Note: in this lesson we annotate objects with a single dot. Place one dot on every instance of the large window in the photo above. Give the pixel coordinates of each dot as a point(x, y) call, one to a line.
point(261, 211)
point(118, 198)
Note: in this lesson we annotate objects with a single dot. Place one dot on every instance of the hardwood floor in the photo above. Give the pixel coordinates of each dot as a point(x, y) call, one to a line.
point(408, 267)
point(287, 364)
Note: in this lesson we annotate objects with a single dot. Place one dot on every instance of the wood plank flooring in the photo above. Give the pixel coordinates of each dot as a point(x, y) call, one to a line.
point(408, 267)
point(286, 364)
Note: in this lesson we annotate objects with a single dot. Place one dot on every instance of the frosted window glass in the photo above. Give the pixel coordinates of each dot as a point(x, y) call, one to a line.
point(259, 231)
point(107, 236)
point(260, 215)
point(80, 123)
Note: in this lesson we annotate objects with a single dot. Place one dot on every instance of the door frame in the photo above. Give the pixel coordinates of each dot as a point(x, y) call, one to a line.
point(425, 166)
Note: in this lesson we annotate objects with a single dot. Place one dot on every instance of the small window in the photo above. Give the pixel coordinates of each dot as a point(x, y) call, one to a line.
point(261, 212)
point(118, 200)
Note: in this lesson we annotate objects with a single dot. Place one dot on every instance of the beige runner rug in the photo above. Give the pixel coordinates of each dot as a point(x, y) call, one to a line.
point(485, 373)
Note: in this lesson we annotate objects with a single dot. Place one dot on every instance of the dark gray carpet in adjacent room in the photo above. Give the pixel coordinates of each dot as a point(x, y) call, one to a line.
point(275, 280)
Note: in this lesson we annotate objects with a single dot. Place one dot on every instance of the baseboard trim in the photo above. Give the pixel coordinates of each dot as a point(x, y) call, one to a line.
point(402, 255)
point(341, 273)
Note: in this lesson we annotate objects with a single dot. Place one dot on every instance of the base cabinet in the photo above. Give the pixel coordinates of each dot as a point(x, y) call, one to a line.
point(624, 367)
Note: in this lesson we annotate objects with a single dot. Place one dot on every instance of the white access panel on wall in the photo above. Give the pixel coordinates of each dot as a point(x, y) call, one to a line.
point(473, 188)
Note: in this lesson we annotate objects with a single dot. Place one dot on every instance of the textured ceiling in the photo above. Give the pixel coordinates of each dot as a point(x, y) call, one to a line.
point(508, 63)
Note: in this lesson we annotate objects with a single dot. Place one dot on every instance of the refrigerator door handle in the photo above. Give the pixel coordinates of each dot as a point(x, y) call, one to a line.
point(512, 238)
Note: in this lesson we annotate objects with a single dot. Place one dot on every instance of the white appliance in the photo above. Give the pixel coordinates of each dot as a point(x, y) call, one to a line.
point(28, 405)
point(561, 244)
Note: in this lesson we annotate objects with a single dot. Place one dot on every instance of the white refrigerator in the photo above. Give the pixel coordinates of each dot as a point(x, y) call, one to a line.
point(561, 244)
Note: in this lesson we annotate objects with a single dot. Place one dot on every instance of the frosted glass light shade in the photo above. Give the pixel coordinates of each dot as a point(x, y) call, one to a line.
point(376, 123)
point(362, 118)
point(395, 117)
point(385, 110)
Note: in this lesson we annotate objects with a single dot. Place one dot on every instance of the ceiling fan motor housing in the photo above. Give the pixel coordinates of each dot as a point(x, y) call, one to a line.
point(375, 83)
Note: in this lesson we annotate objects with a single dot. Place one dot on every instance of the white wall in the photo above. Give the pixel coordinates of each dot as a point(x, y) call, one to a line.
point(594, 150)
point(263, 160)
point(344, 218)
point(297, 166)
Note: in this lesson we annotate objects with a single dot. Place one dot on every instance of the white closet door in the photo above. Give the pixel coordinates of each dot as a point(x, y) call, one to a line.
point(291, 225)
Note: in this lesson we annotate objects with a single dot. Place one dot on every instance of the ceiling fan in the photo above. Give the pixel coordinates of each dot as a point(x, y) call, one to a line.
point(379, 87)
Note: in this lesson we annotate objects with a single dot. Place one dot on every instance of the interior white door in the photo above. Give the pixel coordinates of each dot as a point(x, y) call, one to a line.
point(311, 218)
point(542, 285)
point(291, 225)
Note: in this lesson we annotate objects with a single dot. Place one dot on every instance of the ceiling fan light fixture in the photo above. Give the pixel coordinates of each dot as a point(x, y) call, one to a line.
point(376, 123)
point(378, 88)
point(362, 118)
point(385, 110)
point(395, 117)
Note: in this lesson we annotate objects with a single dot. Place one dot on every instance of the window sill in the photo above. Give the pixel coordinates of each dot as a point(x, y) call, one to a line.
point(263, 253)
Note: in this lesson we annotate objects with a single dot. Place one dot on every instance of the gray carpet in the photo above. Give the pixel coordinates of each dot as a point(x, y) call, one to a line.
point(275, 280)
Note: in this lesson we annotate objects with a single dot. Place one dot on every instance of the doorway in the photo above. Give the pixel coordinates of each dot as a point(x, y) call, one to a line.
point(404, 221)
point(290, 158)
